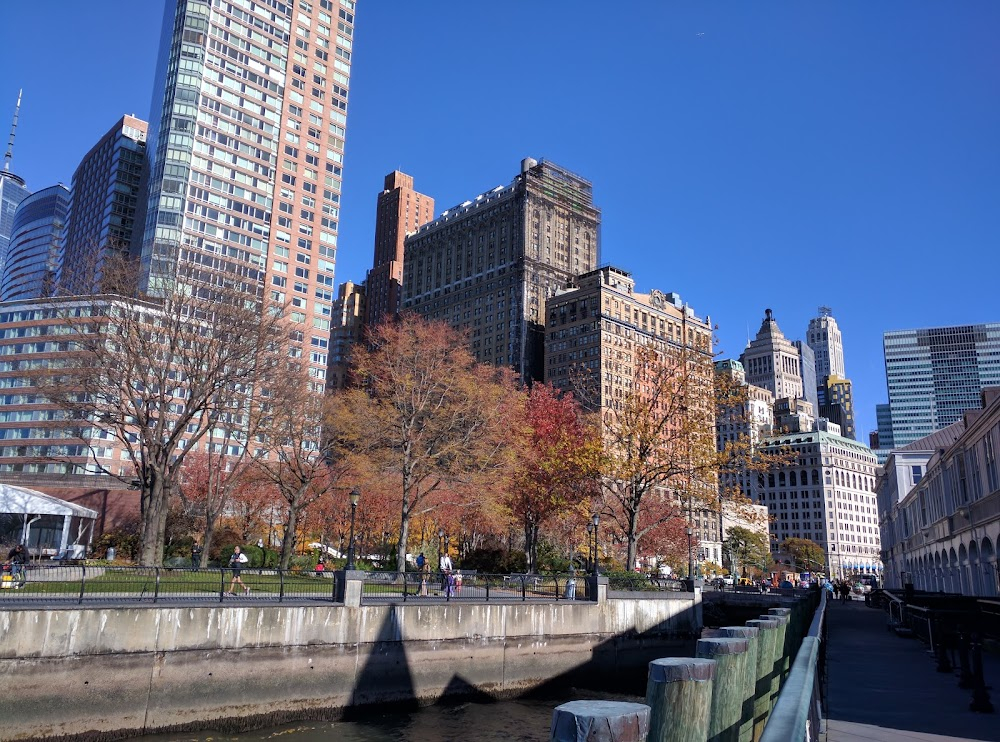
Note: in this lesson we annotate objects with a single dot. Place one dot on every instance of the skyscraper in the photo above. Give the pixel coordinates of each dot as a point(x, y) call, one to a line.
point(824, 337)
point(807, 365)
point(103, 204)
point(934, 375)
point(348, 330)
point(12, 191)
point(36, 243)
point(246, 151)
point(772, 362)
point(488, 264)
point(400, 210)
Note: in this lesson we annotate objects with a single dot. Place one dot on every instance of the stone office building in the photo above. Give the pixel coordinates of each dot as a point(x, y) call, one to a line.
point(487, 265)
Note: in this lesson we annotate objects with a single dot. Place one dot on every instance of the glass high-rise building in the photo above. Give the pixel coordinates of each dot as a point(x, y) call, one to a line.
point(36, 243)
point(12, 191)
point(246, 154)
point(102, 210)
point(934, 375)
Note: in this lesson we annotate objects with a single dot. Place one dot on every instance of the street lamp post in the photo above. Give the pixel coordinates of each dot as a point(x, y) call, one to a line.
point(590, 546)
point(690, 532)
point(595, 520)
point(355, 496)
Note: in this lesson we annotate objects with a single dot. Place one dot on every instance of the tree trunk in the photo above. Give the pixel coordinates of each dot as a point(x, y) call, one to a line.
point(206, 543)
point(404, 534)
point(632, 538)
point(291, 523)
point(154, 520)
point(530, 553)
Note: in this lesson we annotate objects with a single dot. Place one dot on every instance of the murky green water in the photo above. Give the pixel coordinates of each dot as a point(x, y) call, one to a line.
point(504, 721)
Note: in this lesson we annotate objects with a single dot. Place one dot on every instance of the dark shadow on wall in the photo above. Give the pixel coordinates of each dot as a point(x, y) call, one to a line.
point(385, 677)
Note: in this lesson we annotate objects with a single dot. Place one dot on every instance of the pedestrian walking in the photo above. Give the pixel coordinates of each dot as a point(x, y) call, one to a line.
point(425, 570)
point(18, 558)
point(236, 563)
point(445, 566)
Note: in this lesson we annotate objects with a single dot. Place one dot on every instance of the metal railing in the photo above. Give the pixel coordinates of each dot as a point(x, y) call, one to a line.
point(82, 584)
point(382, 587)
point(797, 714)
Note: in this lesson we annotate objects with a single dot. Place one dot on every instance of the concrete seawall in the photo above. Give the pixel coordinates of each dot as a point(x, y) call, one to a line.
point(102, 673)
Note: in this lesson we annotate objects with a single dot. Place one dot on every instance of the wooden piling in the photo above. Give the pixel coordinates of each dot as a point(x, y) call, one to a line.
point(766, 644)
point(731, 659)
point(750, 633)
point(788, 641)
point(780, 659)
point(679, 695)
point(600, 721)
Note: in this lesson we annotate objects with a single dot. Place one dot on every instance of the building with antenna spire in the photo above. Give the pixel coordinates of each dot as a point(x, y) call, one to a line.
point(12, 190)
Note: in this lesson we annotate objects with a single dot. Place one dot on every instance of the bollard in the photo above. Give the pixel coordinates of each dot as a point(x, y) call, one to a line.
point(965, 680)
point(751, 634)
point(766, 638)
point(731, 657)
point(679, 695)
point(600, 721)
point(779, 656)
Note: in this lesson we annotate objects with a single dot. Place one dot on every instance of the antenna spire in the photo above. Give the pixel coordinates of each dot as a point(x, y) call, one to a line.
point(13, 129)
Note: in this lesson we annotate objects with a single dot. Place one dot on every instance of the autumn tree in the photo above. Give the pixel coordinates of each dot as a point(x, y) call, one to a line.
point(659, 441)
point(747, 548)
point(156, 374)
point(805, 552)
point(300, 460)
point(425, 414)
point(558, 464)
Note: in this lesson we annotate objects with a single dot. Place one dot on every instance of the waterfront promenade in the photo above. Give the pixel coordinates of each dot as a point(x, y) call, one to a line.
point(884, 688)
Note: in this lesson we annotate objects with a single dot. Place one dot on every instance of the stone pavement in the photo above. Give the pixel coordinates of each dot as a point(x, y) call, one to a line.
point(883, 687)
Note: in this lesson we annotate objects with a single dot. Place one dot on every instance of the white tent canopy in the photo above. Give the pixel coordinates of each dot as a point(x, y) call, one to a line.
point(41, 513)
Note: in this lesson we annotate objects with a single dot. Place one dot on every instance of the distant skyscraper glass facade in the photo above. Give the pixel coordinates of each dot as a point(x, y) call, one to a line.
point(246, 151)
point(36, 241)
point(102, 209)
point(12, 193)
point(935, 375)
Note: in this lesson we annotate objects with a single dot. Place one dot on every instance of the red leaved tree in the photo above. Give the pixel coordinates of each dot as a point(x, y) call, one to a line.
point(559, 464)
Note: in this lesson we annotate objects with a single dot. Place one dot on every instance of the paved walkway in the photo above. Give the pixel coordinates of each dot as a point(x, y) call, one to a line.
point(883, 687)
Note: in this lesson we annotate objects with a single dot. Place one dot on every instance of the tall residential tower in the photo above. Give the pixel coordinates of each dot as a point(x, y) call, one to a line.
point(246, 150)
point(400, 211)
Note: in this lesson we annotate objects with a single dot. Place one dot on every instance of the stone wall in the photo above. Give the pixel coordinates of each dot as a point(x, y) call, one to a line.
point(99, 673)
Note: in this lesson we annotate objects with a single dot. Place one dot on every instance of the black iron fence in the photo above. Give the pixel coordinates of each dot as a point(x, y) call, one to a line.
point(112, 584)
point(83, 584)
point(473, 587)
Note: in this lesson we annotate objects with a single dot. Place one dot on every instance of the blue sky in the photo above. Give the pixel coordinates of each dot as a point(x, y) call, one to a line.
point(746, 155)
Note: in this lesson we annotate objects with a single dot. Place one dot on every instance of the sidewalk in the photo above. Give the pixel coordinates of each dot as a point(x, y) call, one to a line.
point(885, 688)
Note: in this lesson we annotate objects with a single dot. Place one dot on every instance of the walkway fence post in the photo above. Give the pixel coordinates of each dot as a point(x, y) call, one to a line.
point(766, 645)
point(728, 693)
point(679, 695)
point(600, 721)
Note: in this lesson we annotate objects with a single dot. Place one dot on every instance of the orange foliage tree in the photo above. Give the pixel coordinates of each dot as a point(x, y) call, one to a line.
point(424, 414)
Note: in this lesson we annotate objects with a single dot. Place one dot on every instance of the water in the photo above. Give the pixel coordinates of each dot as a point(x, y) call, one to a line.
point(524, 720)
